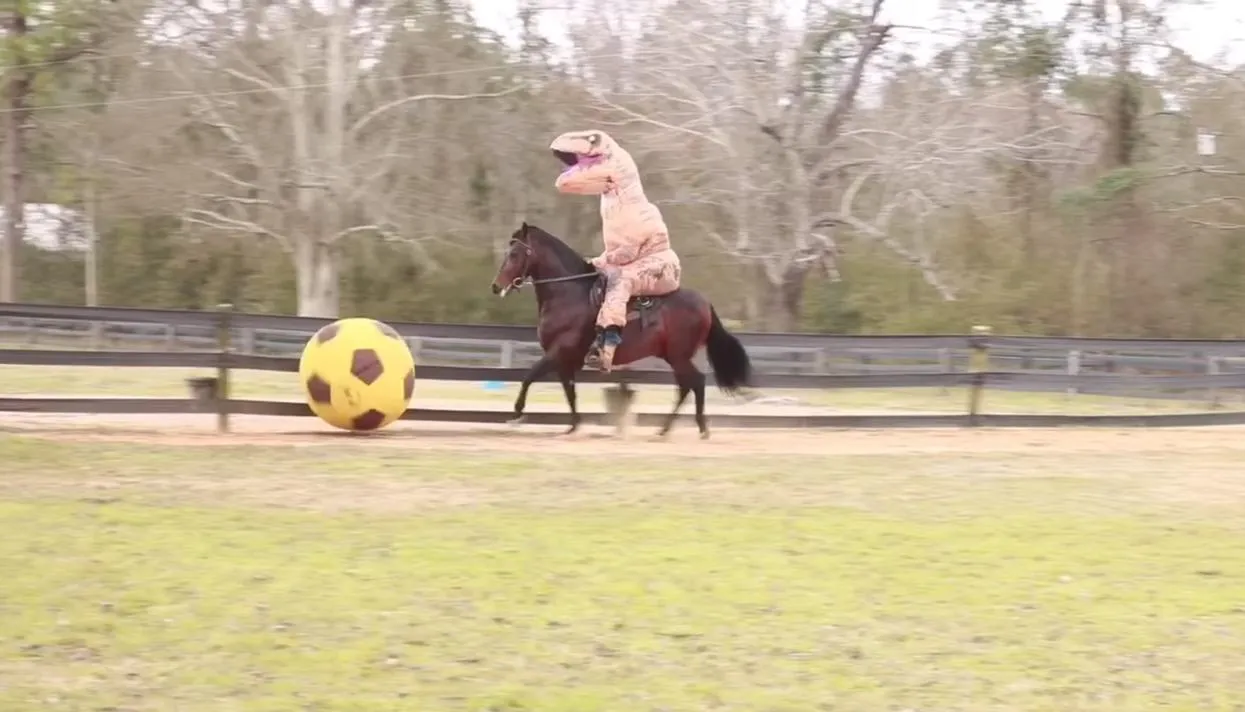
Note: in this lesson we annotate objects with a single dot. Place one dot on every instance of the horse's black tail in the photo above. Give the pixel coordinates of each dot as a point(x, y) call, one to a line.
point(732, 368)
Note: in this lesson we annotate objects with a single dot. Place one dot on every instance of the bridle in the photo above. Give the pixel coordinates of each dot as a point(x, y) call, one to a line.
point(524, 278)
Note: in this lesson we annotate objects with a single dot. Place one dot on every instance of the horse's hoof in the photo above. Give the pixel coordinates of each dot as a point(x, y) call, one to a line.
point(704, 435)
point(517, 420)
point(571, 430)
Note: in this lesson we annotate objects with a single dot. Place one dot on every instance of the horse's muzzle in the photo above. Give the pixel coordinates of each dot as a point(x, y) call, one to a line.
point(496, 288)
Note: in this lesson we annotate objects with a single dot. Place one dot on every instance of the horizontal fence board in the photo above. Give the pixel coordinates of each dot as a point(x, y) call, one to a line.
point(1078, 343)
point(898, 348)
point(777, 361)
point(103, 406)
point(1030, 380)
point(140, 359)
point(1190, 369)
point(484, 417)
point(1059, 381)
point(119, 314)
point(503, 332)
point(1172, 420)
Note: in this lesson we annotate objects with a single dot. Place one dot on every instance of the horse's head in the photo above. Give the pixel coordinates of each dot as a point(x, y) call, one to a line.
point(538, 257)
point(516, 265)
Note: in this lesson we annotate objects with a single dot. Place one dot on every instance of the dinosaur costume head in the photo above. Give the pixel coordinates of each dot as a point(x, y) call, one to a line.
point(595, 163)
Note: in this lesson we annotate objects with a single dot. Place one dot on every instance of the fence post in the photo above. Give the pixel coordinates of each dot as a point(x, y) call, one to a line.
point(945, 365)
point(979, 365)
point(248, 341)
point(1212, 369)
point(224, 335)
point(1074, 370)
point(507, 354)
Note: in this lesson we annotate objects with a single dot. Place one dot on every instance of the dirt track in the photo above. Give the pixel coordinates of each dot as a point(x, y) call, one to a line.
point(258, 430)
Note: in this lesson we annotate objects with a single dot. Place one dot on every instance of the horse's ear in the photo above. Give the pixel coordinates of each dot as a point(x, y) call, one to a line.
point(523, 227)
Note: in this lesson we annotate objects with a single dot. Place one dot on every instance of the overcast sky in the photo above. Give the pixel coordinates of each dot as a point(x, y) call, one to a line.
point(1215, 28)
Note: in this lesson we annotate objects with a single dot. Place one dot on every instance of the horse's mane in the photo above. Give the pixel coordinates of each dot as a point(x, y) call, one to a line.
point(571, 261)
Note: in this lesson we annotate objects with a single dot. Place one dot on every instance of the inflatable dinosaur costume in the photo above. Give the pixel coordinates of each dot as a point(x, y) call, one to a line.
point(637, 260)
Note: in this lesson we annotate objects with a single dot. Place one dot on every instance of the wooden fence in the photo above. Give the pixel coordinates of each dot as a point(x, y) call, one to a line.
point(225, 340)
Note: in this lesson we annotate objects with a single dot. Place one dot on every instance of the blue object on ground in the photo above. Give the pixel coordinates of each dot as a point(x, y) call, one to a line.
point(494, 386)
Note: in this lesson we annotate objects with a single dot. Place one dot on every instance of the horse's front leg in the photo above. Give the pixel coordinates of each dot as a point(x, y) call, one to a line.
point(538, 370)
point(568, 387)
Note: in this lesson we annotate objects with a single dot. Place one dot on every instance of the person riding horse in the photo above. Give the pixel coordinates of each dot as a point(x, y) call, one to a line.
point(637, 260)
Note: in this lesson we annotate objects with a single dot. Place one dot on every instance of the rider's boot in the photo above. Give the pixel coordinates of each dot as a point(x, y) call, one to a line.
point(610, 340)
point(602, 354)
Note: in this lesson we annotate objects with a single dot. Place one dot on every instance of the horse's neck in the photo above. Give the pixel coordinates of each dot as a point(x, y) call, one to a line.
point(559, 260)
point(573, 288)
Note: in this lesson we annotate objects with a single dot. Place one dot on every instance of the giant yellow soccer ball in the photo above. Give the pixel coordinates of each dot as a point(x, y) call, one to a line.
point(358, 374)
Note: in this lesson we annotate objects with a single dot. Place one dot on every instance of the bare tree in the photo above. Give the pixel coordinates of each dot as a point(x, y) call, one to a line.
point(760, 117)
point(309, 131)
point(39, 39)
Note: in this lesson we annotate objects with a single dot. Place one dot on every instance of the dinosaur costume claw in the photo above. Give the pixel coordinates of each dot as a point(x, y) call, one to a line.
point(637, 242)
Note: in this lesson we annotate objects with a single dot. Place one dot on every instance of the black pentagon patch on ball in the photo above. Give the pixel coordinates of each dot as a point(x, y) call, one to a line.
point(326, 333)
point(387, 330)
point(370, 420)
point(319, 389)
point(408, 384)
point(366, 366)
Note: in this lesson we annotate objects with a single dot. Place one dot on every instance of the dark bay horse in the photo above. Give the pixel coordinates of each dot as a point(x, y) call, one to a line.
point(671, 327)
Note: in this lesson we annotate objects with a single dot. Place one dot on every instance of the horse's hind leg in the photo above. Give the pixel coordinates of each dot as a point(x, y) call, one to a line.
point(698, 392)
point(689, 379)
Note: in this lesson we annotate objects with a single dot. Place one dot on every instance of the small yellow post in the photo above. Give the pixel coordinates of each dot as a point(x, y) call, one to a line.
point(978, 365)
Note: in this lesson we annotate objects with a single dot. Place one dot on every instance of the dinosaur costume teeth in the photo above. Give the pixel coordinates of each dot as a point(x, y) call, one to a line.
point(637, 259)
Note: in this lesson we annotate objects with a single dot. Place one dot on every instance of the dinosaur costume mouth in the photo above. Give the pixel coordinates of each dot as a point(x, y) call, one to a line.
point(574, 160)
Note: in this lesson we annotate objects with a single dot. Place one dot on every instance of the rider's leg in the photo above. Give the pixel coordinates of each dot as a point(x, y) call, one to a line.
point(657, 274)
point(653, 275)
point(612, 317)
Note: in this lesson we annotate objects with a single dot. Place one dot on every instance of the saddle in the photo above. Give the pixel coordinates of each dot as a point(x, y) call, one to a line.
point(638, 307)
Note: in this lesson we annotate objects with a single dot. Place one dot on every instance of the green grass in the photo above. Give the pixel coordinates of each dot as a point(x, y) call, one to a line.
point(353, 577)
point(170, 382)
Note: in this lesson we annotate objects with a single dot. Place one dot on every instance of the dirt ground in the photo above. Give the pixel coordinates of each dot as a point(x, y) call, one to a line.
point(308, 432)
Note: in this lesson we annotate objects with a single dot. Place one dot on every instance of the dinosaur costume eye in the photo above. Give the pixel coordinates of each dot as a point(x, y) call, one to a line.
point(594, 139)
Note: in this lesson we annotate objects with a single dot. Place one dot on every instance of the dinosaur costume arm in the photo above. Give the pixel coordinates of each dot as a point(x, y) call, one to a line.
point(619, 254)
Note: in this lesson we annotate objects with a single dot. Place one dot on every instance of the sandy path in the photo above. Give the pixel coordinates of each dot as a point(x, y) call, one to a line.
point(261, 430)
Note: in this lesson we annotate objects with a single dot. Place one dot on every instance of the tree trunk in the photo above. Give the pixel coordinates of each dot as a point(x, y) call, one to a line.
point(16, 115)
point(90, 220)
point(319, 291)
point(1028, 176)
point(91, 265)
point(784, 300)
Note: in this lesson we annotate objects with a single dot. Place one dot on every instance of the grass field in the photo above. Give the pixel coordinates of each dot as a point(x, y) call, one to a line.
point(170, 382)
point(338, 575)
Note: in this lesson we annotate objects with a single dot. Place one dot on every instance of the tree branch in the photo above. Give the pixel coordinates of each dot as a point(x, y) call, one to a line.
point(383, 109)
point(216, 221)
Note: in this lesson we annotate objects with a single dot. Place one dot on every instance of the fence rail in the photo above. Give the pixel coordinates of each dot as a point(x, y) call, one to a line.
point(224, 340)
